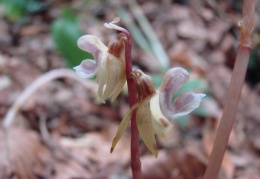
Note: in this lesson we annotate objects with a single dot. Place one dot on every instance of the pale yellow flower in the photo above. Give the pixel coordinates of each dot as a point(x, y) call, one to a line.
point(155, 110)
point(108, 64)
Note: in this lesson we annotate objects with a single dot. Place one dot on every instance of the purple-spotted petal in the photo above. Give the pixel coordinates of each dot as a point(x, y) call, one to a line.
point(184, 104)
point(87, 69)
point(172, 81)
point(93, 45)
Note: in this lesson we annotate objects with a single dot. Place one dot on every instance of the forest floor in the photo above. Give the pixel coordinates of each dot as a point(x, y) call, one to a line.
point(62, 131)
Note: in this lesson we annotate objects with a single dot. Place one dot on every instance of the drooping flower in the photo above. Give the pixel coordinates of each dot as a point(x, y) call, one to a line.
point(108, 64)
point(154, 110)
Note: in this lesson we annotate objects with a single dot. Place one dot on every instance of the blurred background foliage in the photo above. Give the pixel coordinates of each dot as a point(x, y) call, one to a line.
point(65, 29)
point(16, 9)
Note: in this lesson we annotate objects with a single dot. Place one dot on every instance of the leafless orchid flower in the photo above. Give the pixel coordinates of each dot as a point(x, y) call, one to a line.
point(155, 110)
point(108, 64)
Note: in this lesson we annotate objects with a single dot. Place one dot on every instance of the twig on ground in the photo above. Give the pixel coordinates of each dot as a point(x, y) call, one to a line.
point(39, 82)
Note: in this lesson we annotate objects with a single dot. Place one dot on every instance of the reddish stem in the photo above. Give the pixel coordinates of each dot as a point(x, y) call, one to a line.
point(135, 161)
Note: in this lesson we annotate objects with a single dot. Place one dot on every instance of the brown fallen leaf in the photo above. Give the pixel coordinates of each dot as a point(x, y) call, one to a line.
point(179, 13)
point(189, 29)
point(176, 163)
point(188, 58)
point(94, 148)
point(219, 78)
point(32, 30)
point(19, 153)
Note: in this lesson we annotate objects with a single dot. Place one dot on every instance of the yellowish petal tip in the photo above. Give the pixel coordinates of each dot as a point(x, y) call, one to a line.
point(116, 20)
point(111, 150)
point(155, 152)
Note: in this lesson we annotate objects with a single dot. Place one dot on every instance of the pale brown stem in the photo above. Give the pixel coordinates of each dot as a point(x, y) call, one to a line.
point(229, 113)
point(238, 75)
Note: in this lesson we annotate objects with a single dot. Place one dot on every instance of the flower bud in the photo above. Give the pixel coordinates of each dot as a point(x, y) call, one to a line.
point(144, 84)
point(116, 46)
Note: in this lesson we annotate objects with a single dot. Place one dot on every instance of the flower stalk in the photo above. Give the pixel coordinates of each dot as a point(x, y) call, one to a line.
point(237, 80)
point(132, 95)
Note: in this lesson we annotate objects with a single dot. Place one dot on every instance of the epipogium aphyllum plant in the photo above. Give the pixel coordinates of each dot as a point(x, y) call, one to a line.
point(151, 110)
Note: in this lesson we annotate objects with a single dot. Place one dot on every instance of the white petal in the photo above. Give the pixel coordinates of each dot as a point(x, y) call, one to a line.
point(172, 81)
point(184, 104)
point(93, 45)
point(87, 69)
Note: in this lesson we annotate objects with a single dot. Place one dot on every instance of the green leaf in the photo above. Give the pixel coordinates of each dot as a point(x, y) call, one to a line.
point(182, 121)
point(193, 85)
point(157, 79)
point(37, 6)
point(16, 9)
point(200, 111)
point(65, 32)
